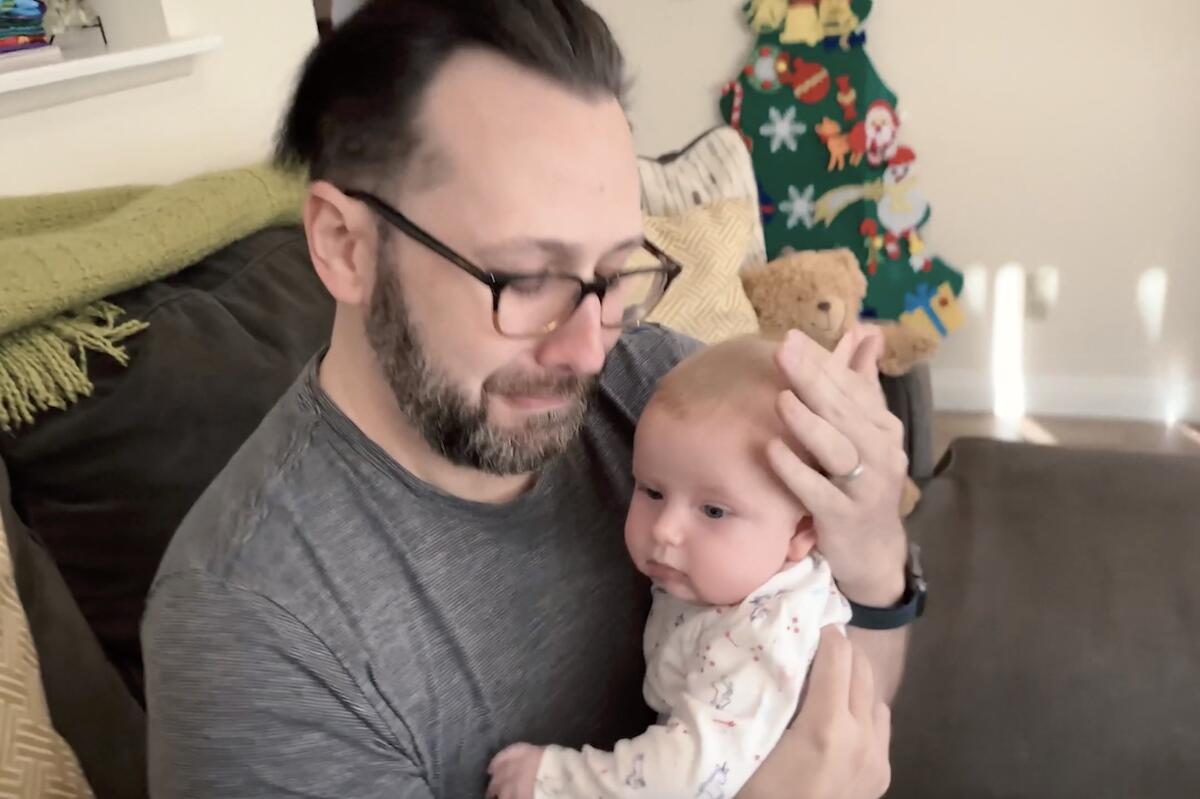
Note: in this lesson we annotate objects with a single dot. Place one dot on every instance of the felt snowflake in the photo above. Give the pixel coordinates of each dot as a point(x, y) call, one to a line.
point(799, 207)
point(782, 129)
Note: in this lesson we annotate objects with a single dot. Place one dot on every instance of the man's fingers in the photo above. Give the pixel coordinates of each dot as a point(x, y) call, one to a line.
point(829, 679)
point(847, 345)
point(883, 740)
point(883, 725)
point(832, 450)
point(862, 688)
point(844, 399)
point(815, 492)
point(865, 359)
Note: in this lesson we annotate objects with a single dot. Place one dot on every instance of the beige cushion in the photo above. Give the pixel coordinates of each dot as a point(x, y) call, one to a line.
point(714, 167)
point(34, 759)
point(707, 300)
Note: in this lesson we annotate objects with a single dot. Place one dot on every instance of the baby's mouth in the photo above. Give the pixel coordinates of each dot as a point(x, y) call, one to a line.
point(661, 572)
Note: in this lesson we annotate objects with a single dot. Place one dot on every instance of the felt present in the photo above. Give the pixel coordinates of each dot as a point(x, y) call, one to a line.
point(934, 311)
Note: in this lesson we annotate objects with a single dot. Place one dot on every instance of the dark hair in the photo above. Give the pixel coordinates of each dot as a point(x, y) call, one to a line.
point(353, 114)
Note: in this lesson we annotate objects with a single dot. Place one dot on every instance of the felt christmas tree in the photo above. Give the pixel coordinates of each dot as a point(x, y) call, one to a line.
point(824, 135)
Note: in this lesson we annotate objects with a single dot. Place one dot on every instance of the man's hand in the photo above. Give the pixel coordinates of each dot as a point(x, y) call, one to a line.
point(836, 411)
point(837, 748)
point(514, 772)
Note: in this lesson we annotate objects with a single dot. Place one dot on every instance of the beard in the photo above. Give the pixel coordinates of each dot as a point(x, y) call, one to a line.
point(444, 415)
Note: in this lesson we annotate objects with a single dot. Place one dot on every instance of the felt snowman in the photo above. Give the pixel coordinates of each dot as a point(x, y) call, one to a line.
point(902, 209)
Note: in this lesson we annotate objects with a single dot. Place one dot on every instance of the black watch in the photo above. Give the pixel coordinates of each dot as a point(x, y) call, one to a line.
point(907, 610)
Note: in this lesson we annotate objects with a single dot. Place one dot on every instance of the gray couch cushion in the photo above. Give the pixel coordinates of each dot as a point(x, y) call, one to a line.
point(89, 704)
point(106, 483)
point(1060, 653)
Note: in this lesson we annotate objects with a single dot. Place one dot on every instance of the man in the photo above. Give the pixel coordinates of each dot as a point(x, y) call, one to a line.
point(418, 557)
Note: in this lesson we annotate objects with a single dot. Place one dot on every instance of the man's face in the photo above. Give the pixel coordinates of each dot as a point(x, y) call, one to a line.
point(532, 179)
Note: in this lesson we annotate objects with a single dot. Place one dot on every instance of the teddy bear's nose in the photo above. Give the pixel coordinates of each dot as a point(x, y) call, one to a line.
point(823, 306)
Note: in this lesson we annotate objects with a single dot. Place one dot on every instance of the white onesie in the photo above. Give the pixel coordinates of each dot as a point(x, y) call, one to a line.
point(726, 682)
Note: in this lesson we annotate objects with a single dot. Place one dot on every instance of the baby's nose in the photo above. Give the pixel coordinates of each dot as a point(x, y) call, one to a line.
point(823, 306)
point(666, 531)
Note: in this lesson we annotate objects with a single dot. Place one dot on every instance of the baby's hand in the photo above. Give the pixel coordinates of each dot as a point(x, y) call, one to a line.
point(514, 772)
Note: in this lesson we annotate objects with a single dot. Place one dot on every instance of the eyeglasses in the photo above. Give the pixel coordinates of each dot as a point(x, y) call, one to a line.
point(533, 305)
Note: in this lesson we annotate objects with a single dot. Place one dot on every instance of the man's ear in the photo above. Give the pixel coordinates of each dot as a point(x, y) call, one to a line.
point(804, 539)
point(343, 242)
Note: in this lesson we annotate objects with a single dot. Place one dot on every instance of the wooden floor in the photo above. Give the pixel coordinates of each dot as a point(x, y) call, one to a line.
point(1086, 433)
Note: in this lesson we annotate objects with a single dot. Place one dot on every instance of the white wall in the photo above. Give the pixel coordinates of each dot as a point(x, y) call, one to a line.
point(223, 115)
point(1050, 134)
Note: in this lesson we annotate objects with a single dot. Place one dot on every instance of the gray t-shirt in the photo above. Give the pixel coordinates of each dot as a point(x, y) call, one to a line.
point(326, 625)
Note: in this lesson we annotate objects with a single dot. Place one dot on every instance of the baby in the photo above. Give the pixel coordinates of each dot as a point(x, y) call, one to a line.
point(739, 594)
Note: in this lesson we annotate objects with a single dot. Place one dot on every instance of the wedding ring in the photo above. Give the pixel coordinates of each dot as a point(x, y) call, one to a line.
point(853, 475)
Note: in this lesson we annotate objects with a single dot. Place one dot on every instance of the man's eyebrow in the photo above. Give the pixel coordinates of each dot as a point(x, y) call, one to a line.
point(556, 248)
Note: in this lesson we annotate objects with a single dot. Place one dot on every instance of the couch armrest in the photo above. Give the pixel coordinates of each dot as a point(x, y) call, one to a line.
point(910, 398)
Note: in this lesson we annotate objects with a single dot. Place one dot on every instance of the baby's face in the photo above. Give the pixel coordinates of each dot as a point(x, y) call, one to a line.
point(709, 523)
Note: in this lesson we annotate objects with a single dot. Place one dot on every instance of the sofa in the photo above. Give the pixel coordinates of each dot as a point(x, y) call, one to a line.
point(92, 493)
point(1058, 656)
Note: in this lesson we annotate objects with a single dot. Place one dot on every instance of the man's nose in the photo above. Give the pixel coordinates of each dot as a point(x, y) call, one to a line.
point(578, 344)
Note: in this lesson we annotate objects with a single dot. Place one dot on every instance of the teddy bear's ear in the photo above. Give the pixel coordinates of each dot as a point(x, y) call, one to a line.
point(857, 279)
point(753, 282)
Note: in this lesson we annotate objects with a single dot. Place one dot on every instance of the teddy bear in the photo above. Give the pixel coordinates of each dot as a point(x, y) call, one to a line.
point(820, 293)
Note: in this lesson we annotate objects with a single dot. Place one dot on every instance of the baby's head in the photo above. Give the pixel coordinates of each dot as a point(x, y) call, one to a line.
point(709, 521)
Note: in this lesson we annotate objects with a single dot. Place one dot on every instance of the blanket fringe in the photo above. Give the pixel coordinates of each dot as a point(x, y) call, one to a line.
point(44, 365)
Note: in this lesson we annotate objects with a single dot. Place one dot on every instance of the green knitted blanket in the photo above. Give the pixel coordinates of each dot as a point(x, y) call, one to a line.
point(62, 254)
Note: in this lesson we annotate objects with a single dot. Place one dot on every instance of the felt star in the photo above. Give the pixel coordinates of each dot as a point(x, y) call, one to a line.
point(782, 129)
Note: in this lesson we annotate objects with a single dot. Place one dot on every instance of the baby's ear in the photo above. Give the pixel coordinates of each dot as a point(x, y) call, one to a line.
point(804, 539)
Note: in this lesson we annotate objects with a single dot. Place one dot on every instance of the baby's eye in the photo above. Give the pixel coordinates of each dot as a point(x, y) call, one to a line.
point(713, 512)
point(650, 492)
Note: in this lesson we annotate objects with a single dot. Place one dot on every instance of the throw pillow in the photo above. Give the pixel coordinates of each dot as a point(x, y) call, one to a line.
point(34, 760)
point(707, 300)
point(716, 166)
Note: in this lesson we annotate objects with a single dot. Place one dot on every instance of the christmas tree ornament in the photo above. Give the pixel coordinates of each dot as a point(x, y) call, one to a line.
point(802, 24)
point(879, 132)
point(902, 207)
point(766, 206)
point(932, 310)
point(761, 69)
point(766, 15)
point(783, 129)
point(799, 206)
point(735, 116)
point(847, 97)
point(808, 79)
point(838, 144)
point(838, 22)
point(873, 243)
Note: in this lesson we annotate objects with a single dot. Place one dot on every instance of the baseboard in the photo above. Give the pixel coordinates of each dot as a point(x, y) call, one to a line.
point(1090, 397)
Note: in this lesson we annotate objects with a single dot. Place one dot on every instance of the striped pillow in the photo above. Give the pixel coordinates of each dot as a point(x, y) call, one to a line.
point(707, 302)
point(35, 762)
point(714, 167)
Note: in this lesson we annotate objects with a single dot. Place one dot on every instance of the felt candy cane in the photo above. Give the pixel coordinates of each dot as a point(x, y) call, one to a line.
point(847, 97)
point(735, 112)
